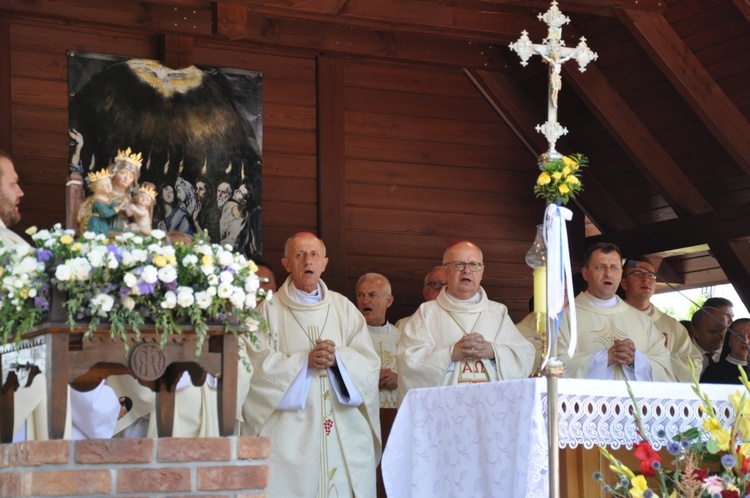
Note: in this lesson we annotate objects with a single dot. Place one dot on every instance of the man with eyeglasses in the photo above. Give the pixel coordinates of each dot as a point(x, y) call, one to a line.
point(461, 336)
point(639, 284)
point(615, 341)
point(434, 281)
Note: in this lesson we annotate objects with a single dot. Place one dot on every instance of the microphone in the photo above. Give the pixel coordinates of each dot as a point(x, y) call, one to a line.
point(634, 264)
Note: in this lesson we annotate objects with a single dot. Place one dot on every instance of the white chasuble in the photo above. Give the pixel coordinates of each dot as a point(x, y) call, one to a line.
point(326, 448)
point(385, 340)
point(597, 329)
point(424, 354)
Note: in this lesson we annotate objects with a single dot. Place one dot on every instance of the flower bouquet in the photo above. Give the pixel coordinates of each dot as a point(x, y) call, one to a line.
point(708, 462)
point(560, 179)
point(128, 282)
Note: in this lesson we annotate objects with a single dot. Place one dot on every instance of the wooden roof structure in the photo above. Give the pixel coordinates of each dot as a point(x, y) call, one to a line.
point(663, 114)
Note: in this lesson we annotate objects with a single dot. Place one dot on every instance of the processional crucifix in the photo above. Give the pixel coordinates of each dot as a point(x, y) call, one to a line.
point(555, 54)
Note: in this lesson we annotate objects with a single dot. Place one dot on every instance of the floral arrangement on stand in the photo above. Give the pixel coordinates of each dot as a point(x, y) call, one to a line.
point(126, 283)
point(708, 462)
point(560, 179)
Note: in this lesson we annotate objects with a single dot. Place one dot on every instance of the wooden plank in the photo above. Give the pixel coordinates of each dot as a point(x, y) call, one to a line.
point(276, 64)
point(176, 51)
point(39, 92)
point(405, 78)
point(229, 20)
point(744, 7)
point(278, 163)
point(693, 82)
point(289, 141)
point(443, 130)
point(686, 231)
point(332, 165)
point(638, 143)
point(6, 120)
point(290, 116)
point(286, 189)
point(734, 258)
point(436, 153)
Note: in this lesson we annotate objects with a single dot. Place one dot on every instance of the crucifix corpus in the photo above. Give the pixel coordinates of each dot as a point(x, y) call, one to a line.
point(555, 54)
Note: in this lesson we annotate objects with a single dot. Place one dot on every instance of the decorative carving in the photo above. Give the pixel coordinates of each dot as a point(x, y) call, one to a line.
point(147, 361)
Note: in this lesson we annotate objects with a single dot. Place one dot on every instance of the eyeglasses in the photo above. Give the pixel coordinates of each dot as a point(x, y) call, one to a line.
point(641, 274)
point(436, 285)
point(460, 265)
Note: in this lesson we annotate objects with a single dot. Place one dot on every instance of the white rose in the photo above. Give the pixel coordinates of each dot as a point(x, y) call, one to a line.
point(140, 255)
point(237, 298)
point(26, 265)
point(225, 258)
point(185, 297)
point(103, 302)
point(226, 277)
point(203, 299)
point(130, 279)
point(150, 274)
point(89, 235)
point(127, 260)
point(128, 303)
point(158, 234)
point(138, 239)
point(225, 290)
point(251, 300)
point(42, 235)
point(63, 273)
point(252, 283)
point(213, 280)
point(207, 270)
point(167, 274)
point(81, 268)
point(96, 256)
point(189, 260)
point(112, 262)
point(170, 300)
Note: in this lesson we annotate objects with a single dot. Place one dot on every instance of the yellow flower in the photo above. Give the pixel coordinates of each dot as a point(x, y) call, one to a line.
point(572, 180)
point(556, 175)
point(2, 271)
point(566, 170)
point(639, 486)
point(160, 261)
point(570, 163)
point(745, 450)
point(563, 188)
point(543, 179)
point(171, 260)
point(66, 239)
point(76, 247)
point(253, 267)
point(31, 230)
point(720, 435)
point(24, 293)
point(207, 260)
point(742, 411)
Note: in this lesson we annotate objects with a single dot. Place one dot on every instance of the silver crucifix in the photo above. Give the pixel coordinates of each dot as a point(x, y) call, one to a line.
point(555, 54)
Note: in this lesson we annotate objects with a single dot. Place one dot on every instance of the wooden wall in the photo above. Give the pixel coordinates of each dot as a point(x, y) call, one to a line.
point(388, 162)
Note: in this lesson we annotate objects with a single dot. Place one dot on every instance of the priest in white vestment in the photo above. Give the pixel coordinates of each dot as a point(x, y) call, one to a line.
point(314, 388)
point(374, 297)
point(92, 414)
point(615, 341)
point(461, 336)
point(639, 284)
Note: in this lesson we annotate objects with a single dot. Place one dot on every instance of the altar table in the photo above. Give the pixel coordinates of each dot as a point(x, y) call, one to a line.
point(490, 439)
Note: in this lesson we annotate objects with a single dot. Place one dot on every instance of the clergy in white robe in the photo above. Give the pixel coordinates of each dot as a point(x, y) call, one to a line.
point(374, 297)
point(461, 336)
point(314, 389)
point(615, 341)
point(639, 284)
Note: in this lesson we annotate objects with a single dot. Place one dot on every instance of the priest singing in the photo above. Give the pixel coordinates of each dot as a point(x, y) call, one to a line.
point(314, 389)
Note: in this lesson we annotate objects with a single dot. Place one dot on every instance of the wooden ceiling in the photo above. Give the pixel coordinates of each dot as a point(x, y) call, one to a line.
point(663, 114)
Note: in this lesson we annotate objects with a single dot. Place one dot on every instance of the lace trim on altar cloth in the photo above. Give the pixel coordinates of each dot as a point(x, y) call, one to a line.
point(598, 419)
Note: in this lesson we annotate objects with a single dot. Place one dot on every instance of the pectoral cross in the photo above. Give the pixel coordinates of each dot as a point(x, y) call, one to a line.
point(555, 54)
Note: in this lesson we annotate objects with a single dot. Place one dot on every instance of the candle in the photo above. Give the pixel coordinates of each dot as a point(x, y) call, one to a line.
point(540, 297)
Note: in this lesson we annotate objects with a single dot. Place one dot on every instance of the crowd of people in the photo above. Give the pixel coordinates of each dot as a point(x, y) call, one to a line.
point(324, 369)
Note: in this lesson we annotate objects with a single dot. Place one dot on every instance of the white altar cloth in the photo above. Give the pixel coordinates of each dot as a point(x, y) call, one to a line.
point(490, 439)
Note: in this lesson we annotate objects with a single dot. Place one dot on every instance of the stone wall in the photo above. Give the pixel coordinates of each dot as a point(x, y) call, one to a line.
point(231, 467)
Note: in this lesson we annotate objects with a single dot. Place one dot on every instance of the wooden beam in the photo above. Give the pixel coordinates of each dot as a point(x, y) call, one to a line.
point(5, 97)
point(694, 83)
point(744, 6)
point(229, 20)
point(332, 169)
point(708, 228)
point(734, 258)
point(664, 270)
point(514, 107)
point(176, 51)
point(637, 142)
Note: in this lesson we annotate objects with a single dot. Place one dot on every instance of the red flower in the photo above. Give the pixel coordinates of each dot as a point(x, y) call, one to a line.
point(646, 454)
point(700, 474)
point(725, 493)
point(745, 465)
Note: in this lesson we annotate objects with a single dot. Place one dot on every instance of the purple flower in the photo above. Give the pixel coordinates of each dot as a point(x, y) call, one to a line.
point(674, 447)
point(170, 285)
point(43, 255)
point(145, 288)
point(124, 291)
point(114, 250)
point(728, 461)
point(41, 303)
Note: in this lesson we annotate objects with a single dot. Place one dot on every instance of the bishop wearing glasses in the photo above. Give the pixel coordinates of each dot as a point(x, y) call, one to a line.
point(461, 336)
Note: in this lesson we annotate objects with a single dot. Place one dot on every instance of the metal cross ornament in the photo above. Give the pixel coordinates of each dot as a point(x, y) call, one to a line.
point(555, 54)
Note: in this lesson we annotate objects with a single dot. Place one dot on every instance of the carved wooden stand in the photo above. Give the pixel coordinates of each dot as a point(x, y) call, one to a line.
point(66, 358)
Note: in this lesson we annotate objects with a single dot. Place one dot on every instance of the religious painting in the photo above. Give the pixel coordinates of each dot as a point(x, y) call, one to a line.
point(190, 138)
